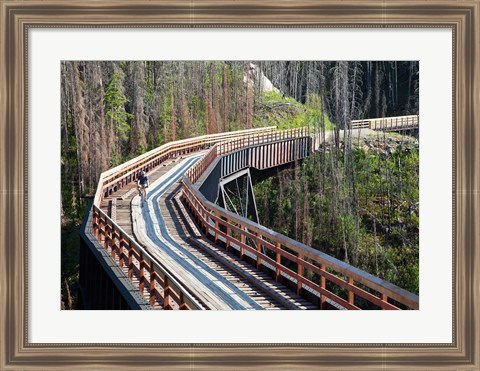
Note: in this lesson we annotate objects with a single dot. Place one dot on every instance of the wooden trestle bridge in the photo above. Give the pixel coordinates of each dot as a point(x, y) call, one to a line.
point(189, 246)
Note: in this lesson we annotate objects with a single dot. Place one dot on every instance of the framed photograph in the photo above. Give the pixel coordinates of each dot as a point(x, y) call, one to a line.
point(426, 53)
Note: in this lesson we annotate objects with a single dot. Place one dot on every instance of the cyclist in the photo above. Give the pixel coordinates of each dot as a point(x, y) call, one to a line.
point(143, 183)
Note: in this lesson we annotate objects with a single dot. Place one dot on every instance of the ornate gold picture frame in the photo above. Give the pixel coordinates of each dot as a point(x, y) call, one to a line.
point(17, 17)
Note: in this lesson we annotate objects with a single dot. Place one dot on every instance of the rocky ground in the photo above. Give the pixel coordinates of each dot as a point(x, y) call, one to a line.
point(376, 142)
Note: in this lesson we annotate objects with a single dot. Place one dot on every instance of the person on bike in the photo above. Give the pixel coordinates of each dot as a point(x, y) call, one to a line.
point(143, 182)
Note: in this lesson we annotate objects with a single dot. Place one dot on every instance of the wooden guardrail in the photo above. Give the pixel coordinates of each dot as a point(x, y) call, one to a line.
point(122, 247)
point(310, 268)
point(387, 123)
point(320, 273)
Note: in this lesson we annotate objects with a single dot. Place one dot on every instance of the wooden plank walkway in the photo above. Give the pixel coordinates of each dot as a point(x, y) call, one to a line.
point(210, 286)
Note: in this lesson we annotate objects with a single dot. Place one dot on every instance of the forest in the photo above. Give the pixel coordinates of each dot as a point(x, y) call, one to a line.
point(356, 200)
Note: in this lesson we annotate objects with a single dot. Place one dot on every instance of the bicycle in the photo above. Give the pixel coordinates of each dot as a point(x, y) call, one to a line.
point(142, 192)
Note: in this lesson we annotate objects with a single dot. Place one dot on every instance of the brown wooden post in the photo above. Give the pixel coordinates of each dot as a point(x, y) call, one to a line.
point(101, 230)
point(166, 293)
point(152, 284)
point(205, 223)
point(229, 231)
point(259, 252)
point(107, 241)
point(114, 244)
point(384, 298)
point(130, 260)
point(323, 286)
point(141, 285)
point(300, 273)
point(216, 225)
point(121, 254)
point(279, 262)
point(242, 241)
point(351, 296)
point(183, 306)
point(95, 223)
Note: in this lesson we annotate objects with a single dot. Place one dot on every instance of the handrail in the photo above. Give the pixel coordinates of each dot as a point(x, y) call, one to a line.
point(235, 230)
point(115, 240)
point(386, 123)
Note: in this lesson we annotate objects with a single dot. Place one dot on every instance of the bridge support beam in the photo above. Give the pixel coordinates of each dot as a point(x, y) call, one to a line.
point(235, 193)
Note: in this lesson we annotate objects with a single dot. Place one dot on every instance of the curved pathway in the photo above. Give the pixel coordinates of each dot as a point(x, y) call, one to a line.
point(209, 286)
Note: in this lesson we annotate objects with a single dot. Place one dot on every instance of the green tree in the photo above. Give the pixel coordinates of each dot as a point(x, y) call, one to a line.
point(117, 117)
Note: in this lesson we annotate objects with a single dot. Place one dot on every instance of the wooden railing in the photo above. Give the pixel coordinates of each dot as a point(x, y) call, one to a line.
point(127, 252)
point(311, 269)
point(387, 123)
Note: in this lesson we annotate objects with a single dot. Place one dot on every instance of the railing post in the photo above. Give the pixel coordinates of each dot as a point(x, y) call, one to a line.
point(279, 262)
point(229, 230)
point(259, 252)
point(216, 225)
point(113, 244)
point(152, 284)
point(121, 255)
point(107, 241)
point(95, 223)
point(166, 293)
point(300, 273)
point(384, 299)
point(130, 260)
point(323, 286)
point(141, 285)
point(183, 306)
point(101, 230)
point(242, 241)
point(351, 296)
